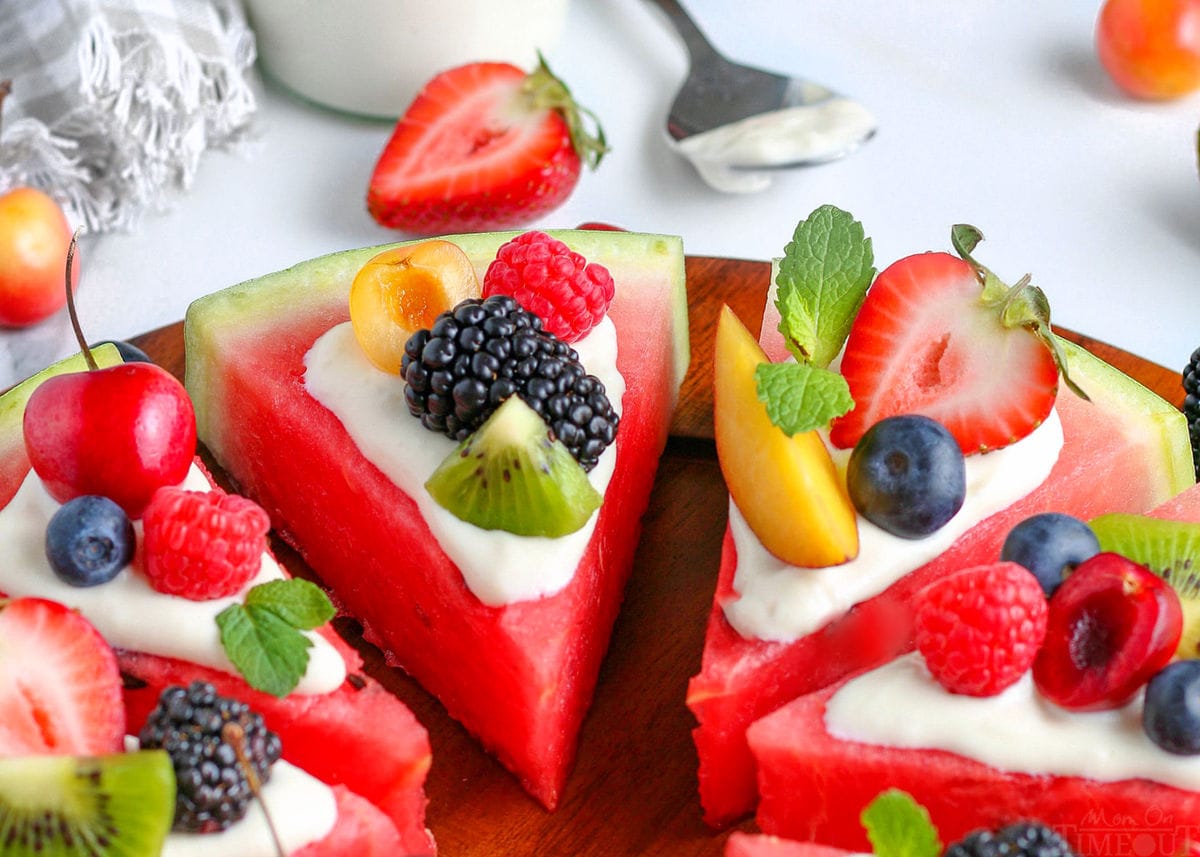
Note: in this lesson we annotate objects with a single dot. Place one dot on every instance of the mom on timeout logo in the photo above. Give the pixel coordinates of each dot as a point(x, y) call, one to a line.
point(1158, 834)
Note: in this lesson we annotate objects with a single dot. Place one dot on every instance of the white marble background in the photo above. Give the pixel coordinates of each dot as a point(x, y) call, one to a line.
point(991, 112)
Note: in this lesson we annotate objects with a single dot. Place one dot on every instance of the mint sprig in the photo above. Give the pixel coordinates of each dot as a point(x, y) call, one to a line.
point(263, 636)
point(799, 397)
point(822, 280)
point(898, 826)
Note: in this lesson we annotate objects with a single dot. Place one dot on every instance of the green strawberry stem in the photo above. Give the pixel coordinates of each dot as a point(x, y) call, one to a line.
point(1021, 305)
point(544, 91)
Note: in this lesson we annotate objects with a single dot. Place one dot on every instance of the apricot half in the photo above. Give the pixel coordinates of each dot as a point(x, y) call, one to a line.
point(402, 290)
point(787, 488)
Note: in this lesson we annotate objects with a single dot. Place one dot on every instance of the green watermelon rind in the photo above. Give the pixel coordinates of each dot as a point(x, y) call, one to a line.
point(1144, 413)
point(317, 281)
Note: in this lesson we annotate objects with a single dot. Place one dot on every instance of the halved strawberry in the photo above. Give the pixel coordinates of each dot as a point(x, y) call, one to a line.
point(60, 687)
point(483, 146)
point(941, 336)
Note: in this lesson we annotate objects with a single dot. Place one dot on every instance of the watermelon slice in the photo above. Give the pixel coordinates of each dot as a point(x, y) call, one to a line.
point(764, 845)
point(519, 677)
point(1127, 450)
point(815, 786)
point(333, 736)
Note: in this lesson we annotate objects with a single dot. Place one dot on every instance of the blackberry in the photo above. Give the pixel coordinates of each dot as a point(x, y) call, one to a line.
point(476, 355)
point(1024, 839)
point(212, 791)
point(1191, 405)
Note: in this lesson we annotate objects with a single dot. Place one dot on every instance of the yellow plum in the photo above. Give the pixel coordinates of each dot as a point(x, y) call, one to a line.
point(787, 488)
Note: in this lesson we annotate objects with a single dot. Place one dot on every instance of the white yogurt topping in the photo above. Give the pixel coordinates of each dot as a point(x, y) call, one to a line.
point(901, 705)
point(727, 157)
point(780, 602)
point(127, 611)
point(498, 567)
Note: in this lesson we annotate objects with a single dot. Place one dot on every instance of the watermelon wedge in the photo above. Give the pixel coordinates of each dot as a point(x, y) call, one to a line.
point(815, 786)
point(1127, 450)
point(518, 676)
point(333, 736)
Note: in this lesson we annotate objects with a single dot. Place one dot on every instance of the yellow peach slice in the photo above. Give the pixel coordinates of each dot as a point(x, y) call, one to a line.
point(787, 488)
point(402, 290)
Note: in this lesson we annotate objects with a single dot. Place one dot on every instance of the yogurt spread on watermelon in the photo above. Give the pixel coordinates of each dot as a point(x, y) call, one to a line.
point(498, 567)
point(302, 808)
point(780, 602)
point(127, 611)
point(1016, 730)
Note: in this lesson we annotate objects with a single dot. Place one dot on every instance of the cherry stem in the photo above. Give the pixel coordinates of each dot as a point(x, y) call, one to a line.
point(5, 90)
point(235, 736)
point(83, 346)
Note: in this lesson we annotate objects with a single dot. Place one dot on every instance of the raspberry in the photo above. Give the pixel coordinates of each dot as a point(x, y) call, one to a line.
point(979, 629)
point(553, 282)
point(202, 544)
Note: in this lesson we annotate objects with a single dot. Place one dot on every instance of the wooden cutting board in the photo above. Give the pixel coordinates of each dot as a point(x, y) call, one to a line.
point(633, 790)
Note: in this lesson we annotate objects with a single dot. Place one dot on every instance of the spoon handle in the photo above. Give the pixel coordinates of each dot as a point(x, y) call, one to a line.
point(698, 46)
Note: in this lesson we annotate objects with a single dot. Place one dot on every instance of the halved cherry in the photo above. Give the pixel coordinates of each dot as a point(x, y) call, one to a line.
point(402, 290)
point(1112, 625)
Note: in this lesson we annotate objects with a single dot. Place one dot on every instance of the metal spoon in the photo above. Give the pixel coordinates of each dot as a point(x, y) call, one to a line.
point(730, 117)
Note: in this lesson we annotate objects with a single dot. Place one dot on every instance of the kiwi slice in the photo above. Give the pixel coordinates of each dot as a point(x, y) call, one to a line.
point(117, 805)
point(1171, 549)
point(512, 474)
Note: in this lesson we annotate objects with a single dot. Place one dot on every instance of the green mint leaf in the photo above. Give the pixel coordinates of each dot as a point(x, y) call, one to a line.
point(799, 397)
point(269, 652)
point(898, 826)
point(297, 602)
point(263, 638)
point(822, 280)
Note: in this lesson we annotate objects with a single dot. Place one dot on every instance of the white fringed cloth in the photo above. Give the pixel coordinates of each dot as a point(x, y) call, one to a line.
point(114, 101)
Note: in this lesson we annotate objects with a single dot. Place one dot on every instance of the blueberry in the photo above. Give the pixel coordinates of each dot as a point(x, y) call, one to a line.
point(89, 540)
point(1171, 711)
point(907, 476)
point(1050, 545)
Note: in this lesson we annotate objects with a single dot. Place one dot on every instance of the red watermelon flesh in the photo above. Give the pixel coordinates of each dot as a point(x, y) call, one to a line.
point(386, 767)
point(815, 786)
point(1125, 451)
point(519, 677)
point(764, 845)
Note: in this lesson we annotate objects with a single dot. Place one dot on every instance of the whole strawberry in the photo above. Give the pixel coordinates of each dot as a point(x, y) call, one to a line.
point(202, 544)
point(483, 146)
point(980, 629)
point(569, 294)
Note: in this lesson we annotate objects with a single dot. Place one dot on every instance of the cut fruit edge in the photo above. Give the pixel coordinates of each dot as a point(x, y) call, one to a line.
point(219, 326)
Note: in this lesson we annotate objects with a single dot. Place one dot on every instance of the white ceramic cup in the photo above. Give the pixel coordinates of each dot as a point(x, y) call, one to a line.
point(371, 57)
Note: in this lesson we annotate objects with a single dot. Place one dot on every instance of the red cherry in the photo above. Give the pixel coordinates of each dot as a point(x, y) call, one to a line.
point(121, 432)
point(1112, 625)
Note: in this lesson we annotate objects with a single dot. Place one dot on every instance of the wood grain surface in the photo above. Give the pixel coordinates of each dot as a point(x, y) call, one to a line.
point(633, 790)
